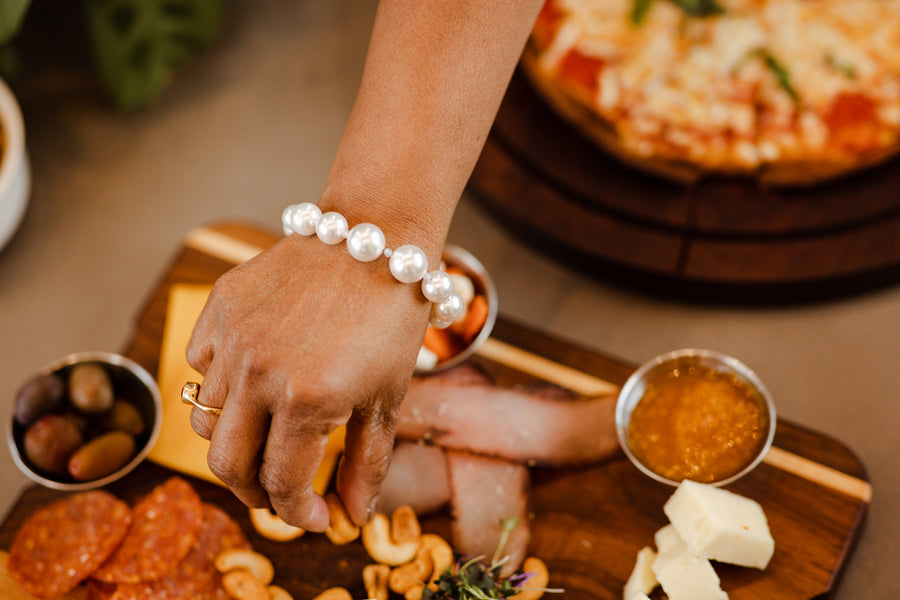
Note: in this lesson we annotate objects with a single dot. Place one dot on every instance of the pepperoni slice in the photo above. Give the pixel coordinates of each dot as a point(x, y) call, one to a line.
point(163, 531)
point(61, 544)
point(196, 575)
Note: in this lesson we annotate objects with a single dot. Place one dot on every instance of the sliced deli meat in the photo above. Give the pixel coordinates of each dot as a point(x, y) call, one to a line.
point(61, 544)
point(417, 477)
point(164, 529)
point(196, 575)
point(485, 491)
point(461, 409)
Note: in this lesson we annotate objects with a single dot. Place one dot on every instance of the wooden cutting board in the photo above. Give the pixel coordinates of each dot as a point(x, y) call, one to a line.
point(589, 523)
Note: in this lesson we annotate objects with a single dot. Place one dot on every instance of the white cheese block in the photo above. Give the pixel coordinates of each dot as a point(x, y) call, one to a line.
point(720, 525)
point(682, 575)
point(426, 360)
point(667, 539)
point(642, 580)
point(687, 577)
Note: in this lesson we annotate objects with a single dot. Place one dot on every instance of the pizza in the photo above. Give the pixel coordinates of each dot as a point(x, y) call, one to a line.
point(790, 91)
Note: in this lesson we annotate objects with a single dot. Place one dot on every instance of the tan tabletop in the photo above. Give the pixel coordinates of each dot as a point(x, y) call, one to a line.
point(253, 125)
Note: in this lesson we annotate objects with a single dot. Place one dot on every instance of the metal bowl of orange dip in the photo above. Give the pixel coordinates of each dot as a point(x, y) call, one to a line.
point(695, 414)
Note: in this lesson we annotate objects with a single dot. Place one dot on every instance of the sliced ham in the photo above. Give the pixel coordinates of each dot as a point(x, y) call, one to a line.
point(418, 477)
point(461, 409)
point(483, 491)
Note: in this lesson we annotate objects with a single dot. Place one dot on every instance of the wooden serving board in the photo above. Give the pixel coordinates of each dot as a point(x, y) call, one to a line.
point(589, 523)
point(723, 239)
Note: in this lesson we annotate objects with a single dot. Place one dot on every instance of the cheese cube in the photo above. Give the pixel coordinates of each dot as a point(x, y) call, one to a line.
point(682, 575)
point(720, 525)
point(642, 580)
point(687, 577)
point(668, 540)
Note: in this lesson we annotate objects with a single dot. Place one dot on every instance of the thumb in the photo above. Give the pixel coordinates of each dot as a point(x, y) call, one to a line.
point(368, 446)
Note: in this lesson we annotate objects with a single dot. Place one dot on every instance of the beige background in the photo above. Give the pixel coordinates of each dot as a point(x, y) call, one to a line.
point(252, 126)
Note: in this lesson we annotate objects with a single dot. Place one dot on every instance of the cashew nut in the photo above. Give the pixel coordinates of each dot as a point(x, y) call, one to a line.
point(341, 530)
point(415, 592)
point(534, 587)
point(242, 585)
point(278, 593)
point(335, 593)
point(405, 525)
point(412, 574)
point(241, 558)
point(382, 547)
point(375, 578)
point(270, 525)
point(441, 556)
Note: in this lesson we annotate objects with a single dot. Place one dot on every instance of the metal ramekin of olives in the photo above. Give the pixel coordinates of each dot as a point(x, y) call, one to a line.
point(84, 421)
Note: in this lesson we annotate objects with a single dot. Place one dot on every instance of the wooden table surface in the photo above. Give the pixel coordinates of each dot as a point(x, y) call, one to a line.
point(588, 522)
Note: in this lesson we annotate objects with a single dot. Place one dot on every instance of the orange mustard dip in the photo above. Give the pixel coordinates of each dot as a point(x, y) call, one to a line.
point(697, 424)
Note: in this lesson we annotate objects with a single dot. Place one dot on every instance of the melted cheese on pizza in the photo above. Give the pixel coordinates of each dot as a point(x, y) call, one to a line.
point(765, 80)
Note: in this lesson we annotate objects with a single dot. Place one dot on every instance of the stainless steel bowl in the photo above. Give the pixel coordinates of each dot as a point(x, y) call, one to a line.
point(131, 381)
point(660, 366)
point(457, 256)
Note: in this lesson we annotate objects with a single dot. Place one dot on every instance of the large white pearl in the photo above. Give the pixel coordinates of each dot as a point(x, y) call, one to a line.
point(305, 217)
point(286, 219)
point(332, 228)
point(449, 310)
point(365, 242)
point(437, 286)
point(408, 263)
point(438, 323)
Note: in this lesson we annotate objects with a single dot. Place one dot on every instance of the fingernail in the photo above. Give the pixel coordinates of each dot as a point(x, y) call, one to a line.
point(319, 516)
point(371, 510)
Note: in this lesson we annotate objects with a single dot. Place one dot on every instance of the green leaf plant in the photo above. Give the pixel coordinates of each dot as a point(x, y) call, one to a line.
point(137, 46)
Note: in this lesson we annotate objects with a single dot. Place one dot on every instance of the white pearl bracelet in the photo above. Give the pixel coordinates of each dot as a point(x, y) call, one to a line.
point(366, 242)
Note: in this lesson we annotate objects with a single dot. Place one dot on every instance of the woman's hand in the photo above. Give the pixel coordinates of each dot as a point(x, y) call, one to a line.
point(292, 344)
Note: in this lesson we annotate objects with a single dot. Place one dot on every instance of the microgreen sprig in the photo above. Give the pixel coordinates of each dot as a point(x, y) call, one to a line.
point(471, 579)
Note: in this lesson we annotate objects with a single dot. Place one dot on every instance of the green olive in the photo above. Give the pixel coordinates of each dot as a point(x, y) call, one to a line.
point(124, 416)
point(90, 388)
point(101, 456)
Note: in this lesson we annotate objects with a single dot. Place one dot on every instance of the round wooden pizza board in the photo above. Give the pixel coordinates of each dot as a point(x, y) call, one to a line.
point(718, 240)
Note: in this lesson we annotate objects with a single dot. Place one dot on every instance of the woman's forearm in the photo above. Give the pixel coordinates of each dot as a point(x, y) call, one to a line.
point(434, 77)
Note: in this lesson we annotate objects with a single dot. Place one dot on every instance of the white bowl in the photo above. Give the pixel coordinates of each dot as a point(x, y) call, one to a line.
point(15, 175)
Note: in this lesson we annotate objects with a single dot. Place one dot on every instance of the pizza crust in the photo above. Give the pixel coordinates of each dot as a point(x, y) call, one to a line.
point(799, 173)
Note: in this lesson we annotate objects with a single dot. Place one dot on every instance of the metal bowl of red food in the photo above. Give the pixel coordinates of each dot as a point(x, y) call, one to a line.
point(446, 348)
point(84, 421)
point(695, 414)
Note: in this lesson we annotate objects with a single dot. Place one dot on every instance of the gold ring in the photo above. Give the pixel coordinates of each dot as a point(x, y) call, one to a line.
point(189, 396)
